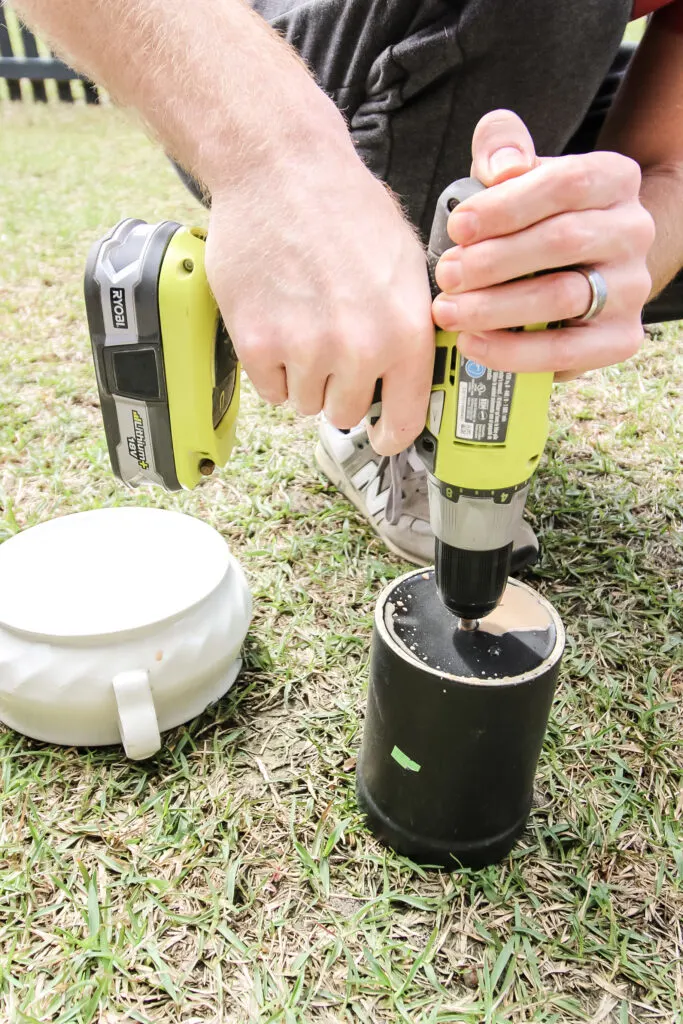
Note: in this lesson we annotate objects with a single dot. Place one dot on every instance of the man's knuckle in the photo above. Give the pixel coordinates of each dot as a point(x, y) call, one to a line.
point(572, 237)
point(622, 172)
point(643, 285)
point(631, 232)
point(409, 326)
point(255, 343)
point(401, 335)
point(645, 226)
point(634, 289)
point(576, 183)
point(629, 172)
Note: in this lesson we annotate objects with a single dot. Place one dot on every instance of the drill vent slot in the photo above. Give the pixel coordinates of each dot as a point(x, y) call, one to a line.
point(454, 363)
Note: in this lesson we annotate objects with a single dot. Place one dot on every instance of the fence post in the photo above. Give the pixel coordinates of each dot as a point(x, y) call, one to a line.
point(31, 50)
point(64, 92)
point(13, 85)
point(90, 90)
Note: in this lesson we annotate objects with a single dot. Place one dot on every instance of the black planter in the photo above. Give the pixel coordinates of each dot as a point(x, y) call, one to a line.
point(455, 722)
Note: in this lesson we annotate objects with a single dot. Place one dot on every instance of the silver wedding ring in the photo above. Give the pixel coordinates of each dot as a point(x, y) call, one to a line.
point(598, 293)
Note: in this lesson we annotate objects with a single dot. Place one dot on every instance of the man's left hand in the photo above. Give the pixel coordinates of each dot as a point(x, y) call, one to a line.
point(541, 214)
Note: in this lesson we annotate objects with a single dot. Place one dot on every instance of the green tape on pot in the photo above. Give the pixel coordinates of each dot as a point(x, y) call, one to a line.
point(405, 761)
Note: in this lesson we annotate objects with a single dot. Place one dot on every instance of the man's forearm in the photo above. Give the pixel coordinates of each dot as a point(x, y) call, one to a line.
point(223, 92)
point(661, 194)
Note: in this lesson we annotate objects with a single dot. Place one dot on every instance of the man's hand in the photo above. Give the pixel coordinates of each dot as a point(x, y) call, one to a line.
point(324, 289)
point(539, 215)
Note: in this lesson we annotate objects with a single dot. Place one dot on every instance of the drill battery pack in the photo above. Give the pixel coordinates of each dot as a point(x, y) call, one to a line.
point(167, 372)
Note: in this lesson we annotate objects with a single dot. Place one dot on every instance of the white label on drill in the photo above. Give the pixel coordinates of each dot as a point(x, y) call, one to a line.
point(465, 428)
point(484, 400)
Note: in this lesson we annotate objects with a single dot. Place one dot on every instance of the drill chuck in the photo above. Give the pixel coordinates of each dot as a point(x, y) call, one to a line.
point(473, 545)
point(471, 583)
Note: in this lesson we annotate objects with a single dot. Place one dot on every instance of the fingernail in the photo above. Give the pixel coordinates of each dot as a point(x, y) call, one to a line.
point(449, 275)
point(507, 158)
point(463, 226)
point(445, 312)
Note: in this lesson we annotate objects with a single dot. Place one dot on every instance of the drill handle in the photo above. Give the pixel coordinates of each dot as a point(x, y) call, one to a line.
point(439, 240)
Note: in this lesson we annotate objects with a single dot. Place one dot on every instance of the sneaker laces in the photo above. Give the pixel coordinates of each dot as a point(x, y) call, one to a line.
point(398, 467)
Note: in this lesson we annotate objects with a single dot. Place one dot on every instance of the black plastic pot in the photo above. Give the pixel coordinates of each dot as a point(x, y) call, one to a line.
point(455, 722)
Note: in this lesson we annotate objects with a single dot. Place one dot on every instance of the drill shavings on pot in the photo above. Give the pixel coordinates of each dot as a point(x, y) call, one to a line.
point(513, 640)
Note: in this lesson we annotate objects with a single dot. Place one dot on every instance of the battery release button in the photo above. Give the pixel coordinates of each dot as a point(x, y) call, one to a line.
point(135, 373)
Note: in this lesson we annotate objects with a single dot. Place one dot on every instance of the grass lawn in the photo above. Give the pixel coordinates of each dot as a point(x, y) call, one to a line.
point(231, 879)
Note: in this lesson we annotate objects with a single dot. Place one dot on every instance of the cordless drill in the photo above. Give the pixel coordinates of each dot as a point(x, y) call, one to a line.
point(484, 437)
point(168, 379)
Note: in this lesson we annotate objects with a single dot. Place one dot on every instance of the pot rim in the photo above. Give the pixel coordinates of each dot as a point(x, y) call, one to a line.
point(504, 681)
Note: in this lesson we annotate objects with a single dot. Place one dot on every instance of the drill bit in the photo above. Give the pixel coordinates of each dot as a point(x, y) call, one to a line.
point(469, 625)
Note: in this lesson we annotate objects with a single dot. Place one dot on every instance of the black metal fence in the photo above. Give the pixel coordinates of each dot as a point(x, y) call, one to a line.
point(35, 70)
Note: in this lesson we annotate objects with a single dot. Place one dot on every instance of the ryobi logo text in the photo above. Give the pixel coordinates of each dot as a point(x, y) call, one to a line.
point(137, 444)
point(119, 313)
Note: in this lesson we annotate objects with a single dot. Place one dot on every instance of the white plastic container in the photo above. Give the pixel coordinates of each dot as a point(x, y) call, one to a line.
point(116, 625)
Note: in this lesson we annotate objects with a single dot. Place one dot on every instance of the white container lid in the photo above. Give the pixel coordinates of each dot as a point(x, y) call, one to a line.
point(108, 571)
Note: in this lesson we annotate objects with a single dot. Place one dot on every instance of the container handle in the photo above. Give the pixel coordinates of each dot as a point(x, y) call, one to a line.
point(137, 715)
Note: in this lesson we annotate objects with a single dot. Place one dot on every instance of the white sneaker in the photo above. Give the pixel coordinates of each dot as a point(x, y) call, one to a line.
point(392, 495)
point(398, 513)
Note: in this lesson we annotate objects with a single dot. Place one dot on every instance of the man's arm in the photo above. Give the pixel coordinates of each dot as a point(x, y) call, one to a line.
point(210, 77)
point(320, 280)
point(646, 123)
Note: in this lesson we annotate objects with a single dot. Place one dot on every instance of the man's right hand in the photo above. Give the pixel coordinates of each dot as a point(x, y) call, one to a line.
point(324, 289)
